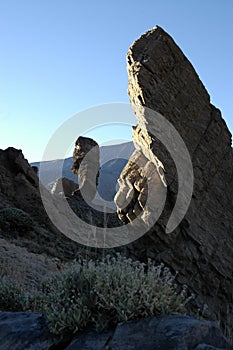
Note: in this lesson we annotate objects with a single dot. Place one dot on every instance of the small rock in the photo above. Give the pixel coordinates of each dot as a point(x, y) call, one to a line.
point(25, 331)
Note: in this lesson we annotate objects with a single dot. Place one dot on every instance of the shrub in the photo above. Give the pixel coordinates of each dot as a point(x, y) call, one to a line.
point(107, 292)
point(12, 296)
point(98, 294)
point(15, 297)
point(15, 218)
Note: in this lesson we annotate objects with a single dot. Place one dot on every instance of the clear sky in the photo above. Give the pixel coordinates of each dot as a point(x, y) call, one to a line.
point(59, 57)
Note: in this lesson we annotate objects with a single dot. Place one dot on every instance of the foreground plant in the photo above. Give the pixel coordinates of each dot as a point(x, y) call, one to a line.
point(107, 292)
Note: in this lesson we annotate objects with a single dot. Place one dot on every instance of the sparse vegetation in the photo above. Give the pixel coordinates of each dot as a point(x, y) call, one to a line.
point(114, 290)
point(12, 296)
point(14, 218)
point(101, 294)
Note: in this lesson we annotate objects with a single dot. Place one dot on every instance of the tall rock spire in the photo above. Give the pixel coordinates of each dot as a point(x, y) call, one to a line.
point(161, 79)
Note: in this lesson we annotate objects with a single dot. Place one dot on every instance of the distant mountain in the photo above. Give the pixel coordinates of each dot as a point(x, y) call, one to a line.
point(113, 158)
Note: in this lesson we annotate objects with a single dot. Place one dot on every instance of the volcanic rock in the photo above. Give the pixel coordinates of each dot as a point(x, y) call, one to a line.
point(164, 87)
point(22, 331)
point(26, 222)
point(113, 158)
point(25, 331)
point(86, 166)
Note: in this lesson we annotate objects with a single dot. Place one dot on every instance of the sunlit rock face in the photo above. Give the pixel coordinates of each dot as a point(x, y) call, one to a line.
point(163, 80)
point(86, 164)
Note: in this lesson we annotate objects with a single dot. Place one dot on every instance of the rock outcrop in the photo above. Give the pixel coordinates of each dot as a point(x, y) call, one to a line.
point(112, 160)
point(28, 331)
point(19, 189)
point(24, 220)
point(18, 181)
point(86, 164)
point(162, 79)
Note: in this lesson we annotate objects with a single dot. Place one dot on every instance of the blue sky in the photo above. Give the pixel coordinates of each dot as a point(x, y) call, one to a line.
point(59, 57)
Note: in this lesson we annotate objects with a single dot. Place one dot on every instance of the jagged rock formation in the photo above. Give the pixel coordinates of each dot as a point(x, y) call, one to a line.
point(63, 186)
point(15, 175)
point(86, 166)
point(21, 331)
point(24, 220)
point(19, 189)
point(201, 247)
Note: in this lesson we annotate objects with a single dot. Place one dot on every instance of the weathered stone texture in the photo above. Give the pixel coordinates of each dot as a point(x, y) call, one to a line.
point(86, 166)
point(201, 248)
point(29, 331)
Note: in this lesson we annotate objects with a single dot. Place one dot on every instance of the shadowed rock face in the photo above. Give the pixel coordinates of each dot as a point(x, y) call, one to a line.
point(19, 188)
point(86, 165)
point(201, 247)
point(19, 184)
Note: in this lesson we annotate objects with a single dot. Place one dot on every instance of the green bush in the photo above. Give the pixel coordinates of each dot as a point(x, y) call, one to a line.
point(15, 218)
point(111, 291)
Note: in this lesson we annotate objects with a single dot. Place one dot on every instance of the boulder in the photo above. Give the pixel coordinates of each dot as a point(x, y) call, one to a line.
point(164, 333)
point(29, 331)
point(164, 87)
point(63, 186)
point(25, 331)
